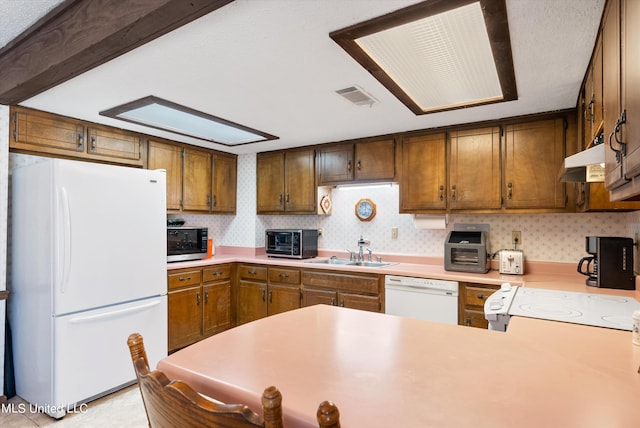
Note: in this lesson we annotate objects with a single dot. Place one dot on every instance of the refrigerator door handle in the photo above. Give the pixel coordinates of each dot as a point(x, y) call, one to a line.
point(114, 314)
point(64, 264)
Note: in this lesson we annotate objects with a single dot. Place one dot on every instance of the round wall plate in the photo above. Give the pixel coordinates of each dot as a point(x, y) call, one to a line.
point(365, 209)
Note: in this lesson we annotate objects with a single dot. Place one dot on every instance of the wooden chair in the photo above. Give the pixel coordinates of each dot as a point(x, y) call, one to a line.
point(174, 404)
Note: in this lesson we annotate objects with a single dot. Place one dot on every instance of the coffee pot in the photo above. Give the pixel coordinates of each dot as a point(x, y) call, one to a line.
point(609, 264)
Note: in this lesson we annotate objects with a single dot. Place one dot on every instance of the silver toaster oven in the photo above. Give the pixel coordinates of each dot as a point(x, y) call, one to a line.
point(466, 251)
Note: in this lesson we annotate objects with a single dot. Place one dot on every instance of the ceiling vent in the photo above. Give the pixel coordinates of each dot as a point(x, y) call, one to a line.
point(357, 96)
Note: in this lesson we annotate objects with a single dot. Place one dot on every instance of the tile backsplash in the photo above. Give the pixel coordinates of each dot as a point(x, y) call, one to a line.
point(545, 237)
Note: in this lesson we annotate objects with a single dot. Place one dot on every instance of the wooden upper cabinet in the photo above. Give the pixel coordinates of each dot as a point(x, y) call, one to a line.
point(196, 180)
point(114, 143)
point(474, 169)
point(335, 164)
point(375, 160)
point(38, 132)
point(534, 153)
point(224, 183)
point(168, 157)
point(369, 160)
point(286, 182)
point(423, 177)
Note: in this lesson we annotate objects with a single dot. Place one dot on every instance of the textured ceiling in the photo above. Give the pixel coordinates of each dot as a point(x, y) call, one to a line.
point(270, 65)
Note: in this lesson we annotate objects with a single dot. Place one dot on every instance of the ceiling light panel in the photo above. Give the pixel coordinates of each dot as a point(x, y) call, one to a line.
point(436, 55)
point(441, 60)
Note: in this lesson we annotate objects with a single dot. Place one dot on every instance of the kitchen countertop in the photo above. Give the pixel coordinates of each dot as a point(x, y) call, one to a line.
point(382, 370)
point(557, 276)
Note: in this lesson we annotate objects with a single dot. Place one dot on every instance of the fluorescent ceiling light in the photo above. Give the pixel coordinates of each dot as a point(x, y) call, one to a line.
point(437, 56)
point(364, 186)
point(162, 114)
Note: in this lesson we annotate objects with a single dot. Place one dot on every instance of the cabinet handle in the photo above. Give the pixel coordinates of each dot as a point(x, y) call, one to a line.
point(215, 201)
point(284, 275)
point(592, 116)
point(252, 272)
point(509, 190)
point(15, 124)
point(80, 141)
point(441, 188)
point(622, 151)
point(270, 296)
point(333, 301)
point(93, 143)
point(287, 198)
point(467, 322)
point(349, 166)
point(209, 201)
point(198, 299)
point(206, 297)
point(481, 296)
point(342, 303)
point(184, 278)
point(453, 192)
point(280, 199)
point(216, 273)
point(359, 165)
point(264, 296)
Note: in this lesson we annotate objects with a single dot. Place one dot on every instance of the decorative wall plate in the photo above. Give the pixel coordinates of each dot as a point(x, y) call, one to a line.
point(325, 204)
point(365, 209)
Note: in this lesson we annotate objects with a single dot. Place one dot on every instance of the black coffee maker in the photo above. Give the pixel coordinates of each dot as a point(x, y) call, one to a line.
point(610, 264)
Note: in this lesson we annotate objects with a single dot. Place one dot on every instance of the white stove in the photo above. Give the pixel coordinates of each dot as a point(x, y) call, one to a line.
point(565, 306)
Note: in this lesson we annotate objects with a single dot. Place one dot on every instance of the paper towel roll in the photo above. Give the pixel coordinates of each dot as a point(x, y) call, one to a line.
point(430, 221)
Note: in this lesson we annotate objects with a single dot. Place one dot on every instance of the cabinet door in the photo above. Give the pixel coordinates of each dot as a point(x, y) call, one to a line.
point(224, 184)
point(32, 130)
point(196, 180)
point(423, 178)
point(168, 157)
point(375, 160)
point(252, 301)
point(335, 164)
point(596, 122)
point(270, 178)
point(185, 317)
point(312, 297)
point(534, 153)
point(631, 88)
point(611, 90)
point(216, 311)
point(282, 298)
point(115, 145)
point(474, 169)
point(358, 301)
point(299, 177)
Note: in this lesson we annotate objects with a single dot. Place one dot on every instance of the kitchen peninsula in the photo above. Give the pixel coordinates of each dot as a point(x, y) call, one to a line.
point(384, 371)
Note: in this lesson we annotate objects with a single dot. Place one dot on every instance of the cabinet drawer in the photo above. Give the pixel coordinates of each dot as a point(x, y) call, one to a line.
point(473, 318)
point(256, 273)
point(216, 273)
point(284, 276)
point(343, 282)
point(476, 296)
point(185, 278)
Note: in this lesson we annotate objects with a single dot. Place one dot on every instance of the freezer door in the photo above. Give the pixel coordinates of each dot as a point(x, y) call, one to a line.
point(91, 356)
point(109, 235)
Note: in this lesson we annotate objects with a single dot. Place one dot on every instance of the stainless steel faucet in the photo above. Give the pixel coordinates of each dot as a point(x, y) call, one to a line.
point(361, 244)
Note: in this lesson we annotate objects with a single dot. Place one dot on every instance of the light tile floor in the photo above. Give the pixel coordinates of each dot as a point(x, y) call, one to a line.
point(122, 408)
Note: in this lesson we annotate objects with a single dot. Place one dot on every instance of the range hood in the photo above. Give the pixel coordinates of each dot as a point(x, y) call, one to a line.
point(584, 166)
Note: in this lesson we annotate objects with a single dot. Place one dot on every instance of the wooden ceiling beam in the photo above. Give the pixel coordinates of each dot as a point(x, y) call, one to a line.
point(79, 35)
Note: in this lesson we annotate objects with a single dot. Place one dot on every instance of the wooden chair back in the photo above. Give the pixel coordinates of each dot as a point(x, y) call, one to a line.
point(174, 404)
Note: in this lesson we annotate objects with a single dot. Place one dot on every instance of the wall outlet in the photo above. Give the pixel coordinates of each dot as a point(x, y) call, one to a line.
point(320, 232)
point(394, 233)
point(516, 237)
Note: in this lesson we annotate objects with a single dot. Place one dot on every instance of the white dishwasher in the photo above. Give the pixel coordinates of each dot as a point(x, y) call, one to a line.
point(422, 298)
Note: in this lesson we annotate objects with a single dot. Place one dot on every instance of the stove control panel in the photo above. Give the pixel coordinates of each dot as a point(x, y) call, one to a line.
point(496, 307)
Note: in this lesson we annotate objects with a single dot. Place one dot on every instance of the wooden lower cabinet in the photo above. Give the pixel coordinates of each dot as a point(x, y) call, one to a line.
point(472, 298)
point(199, 304)
point(264, 291)
point(359, 291)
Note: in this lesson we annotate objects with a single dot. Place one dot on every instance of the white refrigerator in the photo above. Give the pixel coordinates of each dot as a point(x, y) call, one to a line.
point(88, 267)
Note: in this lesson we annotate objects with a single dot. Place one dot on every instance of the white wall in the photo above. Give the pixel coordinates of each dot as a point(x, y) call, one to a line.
point(545, 237)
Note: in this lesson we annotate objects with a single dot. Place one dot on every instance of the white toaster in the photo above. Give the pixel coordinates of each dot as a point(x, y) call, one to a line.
point(512, 262)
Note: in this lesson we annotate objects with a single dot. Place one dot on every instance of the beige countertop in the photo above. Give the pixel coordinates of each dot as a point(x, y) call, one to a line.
point(388, 371)
point(558, 276)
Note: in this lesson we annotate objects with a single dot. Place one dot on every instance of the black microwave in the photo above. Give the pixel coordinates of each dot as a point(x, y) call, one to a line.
point(186, 243)
point(291, 243)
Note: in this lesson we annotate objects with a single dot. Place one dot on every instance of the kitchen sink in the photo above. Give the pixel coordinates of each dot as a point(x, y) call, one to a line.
point(336, 261)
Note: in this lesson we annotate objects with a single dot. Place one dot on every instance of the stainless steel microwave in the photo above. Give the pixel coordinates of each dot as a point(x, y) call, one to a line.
point(291, 243)
point(186, 243)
